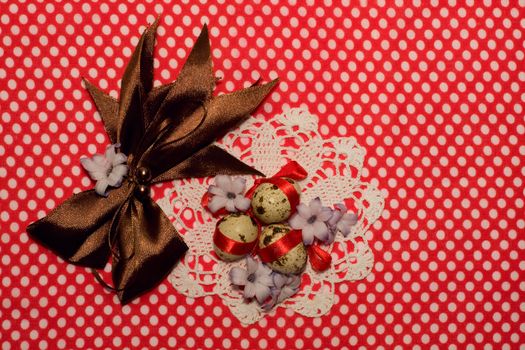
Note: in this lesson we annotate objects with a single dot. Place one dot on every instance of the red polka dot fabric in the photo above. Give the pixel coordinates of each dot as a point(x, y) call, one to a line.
point(434, 91)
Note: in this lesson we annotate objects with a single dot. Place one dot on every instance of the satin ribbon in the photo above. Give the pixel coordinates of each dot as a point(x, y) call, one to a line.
point(319, 258)
point(291, 170)
point(231, 246)
point(280, 247)
point(168, 130)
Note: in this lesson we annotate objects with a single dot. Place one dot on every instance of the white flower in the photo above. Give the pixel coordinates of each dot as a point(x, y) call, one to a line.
point(256, 279)
point(311, 219)
point(108, 169)
point(341, 221)
point(228, 193)
point(284, 287)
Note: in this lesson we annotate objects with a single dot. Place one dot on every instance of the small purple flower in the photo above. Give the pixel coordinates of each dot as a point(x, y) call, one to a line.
point(108, 169)
point(284, 287)
point(256, 279)
point(311, 219)
point(341, 221)
point(228, 193)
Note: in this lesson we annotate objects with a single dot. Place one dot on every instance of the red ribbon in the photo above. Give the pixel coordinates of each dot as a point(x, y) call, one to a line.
point(231, 246)
point(280, 247)
point(286, 187)
point(292, 170)
point(319, 259)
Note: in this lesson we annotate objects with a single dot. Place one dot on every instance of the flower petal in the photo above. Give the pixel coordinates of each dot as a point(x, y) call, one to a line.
point(346, 223)
point(101, 186)
point(345, 229)
point(286, 293)
point(274, 293)
point(294, 282)
point(325, 214)
point(102, 162)
point(90, 165)
point(242, 203)
point(340, 207)
point(265, 279)
point(320, 230)
point(230, 205)
point(110, 153)
point(261, 292)
point(308, 234)
point(238, 276)
point(249, 290)
point(98, 175)
point(297, 222)
point(117, 175)
point(217, 203)
point(238, 185)
point(251, 265)
point(351, 218)
point(315, 206)
point(331, 235)
point(304, 210)
point(96, 171)
point(279, 280)
point(336, 216)
point(120, 158)
point(120, 170)
point(224, 182)
point(216, 191)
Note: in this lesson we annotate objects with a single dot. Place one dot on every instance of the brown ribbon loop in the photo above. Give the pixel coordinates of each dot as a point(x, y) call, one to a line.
point(164, 130)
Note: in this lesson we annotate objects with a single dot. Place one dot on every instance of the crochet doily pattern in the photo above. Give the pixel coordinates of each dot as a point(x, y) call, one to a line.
point(334, 168)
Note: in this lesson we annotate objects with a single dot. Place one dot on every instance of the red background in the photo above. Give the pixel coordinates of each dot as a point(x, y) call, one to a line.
point(433, 90)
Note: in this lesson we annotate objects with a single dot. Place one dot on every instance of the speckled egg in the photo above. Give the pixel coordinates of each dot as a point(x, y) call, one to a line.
point(238, 227)
point(270, 204)
point(292, 262)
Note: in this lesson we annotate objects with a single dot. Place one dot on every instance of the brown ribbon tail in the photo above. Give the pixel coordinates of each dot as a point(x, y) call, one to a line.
point(107, 106)
point(154, 100)
point(137, 81)
point(77, 229)
point(196, 78)
point(219, 115)
point(194, 85)
point(209, 161)
point(146, 260)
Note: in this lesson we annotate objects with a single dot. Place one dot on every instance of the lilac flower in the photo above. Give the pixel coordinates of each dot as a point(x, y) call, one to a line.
point(256, 279)
point(332, 225)
point(108, 169)
point(311, 219)
point(228, 193)
point(341, 221)
point(284, 287)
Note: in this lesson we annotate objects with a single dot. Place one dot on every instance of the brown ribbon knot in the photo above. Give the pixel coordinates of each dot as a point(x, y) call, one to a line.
point(167, 133)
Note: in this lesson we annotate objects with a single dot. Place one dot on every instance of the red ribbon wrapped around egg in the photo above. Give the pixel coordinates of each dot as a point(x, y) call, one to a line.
point(274, 199)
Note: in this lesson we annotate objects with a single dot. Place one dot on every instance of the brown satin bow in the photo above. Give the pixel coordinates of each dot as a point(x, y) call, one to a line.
point(167, 133)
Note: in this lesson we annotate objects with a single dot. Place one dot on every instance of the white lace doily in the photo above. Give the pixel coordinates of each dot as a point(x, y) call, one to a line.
point(334, 168)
